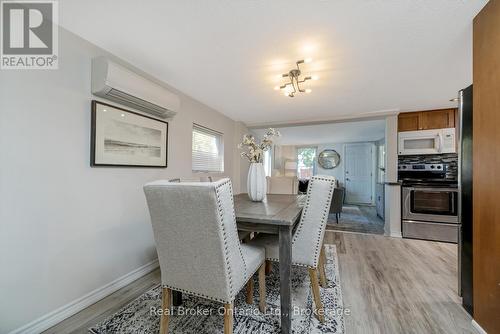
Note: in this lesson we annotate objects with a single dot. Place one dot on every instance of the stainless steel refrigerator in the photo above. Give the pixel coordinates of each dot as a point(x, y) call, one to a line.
point(465, 198)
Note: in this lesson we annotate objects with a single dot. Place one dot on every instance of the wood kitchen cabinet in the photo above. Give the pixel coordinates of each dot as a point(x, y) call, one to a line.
point(427, 120)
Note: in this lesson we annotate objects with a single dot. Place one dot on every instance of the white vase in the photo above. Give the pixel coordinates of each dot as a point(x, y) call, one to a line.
point(256, 182)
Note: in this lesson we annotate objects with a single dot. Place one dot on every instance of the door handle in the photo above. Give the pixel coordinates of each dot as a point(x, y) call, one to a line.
point(439, 143)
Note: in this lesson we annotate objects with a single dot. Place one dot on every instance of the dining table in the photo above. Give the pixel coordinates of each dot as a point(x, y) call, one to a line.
point(277, 214)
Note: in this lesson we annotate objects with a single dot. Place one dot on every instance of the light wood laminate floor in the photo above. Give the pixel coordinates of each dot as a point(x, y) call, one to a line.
point(394, 285)
point(390, 285)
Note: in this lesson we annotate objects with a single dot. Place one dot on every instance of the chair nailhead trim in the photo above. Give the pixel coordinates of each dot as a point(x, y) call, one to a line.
point(324, 219)
point(218, 190)
point(197, 294)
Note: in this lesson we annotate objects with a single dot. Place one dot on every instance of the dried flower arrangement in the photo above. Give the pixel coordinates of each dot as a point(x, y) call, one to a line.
point(255, 152)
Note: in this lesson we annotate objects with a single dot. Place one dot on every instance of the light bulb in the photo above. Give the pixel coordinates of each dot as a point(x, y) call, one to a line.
point(276, 87)
point(308, 90)
point(308, 60)
point(315, 77)
point(286, 93)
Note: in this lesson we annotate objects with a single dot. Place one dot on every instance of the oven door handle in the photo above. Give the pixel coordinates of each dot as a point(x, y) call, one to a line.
point(435, 190)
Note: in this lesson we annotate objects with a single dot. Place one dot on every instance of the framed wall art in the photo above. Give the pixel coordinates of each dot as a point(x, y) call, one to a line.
point(120, 137)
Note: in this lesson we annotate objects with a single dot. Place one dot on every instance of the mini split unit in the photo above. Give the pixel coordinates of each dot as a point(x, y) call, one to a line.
point(117, 83)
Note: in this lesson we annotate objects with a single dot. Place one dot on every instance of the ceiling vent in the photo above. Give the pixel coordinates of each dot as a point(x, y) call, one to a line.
point(117, 83)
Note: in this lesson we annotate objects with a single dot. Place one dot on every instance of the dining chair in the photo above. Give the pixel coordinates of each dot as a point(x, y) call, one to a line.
point(242, 235)
point(198, 248)
point(307, 241)
point(282, 184)
point(337, 202)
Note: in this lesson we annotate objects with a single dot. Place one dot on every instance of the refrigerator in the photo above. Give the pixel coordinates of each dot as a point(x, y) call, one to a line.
point(465, 198)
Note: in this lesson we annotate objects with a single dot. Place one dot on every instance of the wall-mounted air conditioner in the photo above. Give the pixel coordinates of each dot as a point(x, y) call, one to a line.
point(119, 84)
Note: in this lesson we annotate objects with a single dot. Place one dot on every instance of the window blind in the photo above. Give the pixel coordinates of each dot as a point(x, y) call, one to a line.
point(207, 150)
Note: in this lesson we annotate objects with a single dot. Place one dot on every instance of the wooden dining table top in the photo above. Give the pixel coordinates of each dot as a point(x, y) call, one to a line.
point(275, 209)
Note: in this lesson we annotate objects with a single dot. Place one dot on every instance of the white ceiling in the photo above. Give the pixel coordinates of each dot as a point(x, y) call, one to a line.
point(345, 132)
point(371, 56)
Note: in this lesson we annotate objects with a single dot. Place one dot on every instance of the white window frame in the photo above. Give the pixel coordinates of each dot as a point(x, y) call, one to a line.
point(220, 148)
point(314, 167)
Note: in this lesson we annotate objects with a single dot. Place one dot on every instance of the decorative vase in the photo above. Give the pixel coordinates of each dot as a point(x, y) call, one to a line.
point(256, 182)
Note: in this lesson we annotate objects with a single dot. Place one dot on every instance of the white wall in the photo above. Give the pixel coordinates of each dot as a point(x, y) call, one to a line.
point(66, 228)
point(240, 165)
point(392, 188)
point(337, 172)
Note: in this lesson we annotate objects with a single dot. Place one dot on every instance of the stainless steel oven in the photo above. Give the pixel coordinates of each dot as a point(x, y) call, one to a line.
point(429, 203)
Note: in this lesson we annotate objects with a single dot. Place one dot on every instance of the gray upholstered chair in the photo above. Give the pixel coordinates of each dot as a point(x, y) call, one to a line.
point(198, 247)
point(337, 202)
point(242, 235)
point(307, 241)
point(282, 184)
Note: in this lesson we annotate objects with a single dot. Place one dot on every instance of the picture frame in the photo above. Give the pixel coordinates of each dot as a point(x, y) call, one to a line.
point(123, 138)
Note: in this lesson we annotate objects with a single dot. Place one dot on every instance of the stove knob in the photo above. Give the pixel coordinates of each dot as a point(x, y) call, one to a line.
point(432, 166)
point(439, 167)
point(404, 167)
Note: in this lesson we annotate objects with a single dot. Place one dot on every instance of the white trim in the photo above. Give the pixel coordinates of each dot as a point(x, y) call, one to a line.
point(378, 114)
point(395, 235)
point(50, 319)
point(477, 327)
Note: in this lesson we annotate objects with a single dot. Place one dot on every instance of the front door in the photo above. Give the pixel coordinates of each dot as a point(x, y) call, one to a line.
point(358, 173)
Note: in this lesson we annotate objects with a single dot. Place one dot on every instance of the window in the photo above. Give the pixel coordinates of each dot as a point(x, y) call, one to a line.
point(207, 150)
point(306, 162)
point(267, 162)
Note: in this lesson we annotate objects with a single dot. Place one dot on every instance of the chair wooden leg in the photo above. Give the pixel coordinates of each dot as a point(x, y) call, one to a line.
point(228, 318)
point(247, 238)
point(262, 288)
point(321, 268)
point(269, 267)
point(166, 301)
point(313, 275)
point(337, 217)
point(249, 299)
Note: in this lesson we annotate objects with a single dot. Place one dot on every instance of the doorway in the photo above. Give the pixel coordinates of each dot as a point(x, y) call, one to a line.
point(358, 173)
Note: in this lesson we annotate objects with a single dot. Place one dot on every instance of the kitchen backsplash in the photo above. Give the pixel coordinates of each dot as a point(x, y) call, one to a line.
point(450, 159)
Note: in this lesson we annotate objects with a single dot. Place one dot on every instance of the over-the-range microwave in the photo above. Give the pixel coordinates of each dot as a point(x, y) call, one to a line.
point(427, 142)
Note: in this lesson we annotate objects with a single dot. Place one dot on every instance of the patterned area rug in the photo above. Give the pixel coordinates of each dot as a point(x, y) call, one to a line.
point(198, 315)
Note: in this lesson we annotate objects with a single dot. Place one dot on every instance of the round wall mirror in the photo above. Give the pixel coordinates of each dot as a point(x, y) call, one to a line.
point(329, 159)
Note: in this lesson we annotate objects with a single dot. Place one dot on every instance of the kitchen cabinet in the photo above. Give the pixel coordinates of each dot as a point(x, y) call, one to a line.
point(409, 121)
point(427, 120)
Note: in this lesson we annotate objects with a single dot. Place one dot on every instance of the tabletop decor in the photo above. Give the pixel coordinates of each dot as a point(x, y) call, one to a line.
point(256, 181)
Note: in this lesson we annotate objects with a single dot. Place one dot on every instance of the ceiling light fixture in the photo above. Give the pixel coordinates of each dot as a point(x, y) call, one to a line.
point(291, 88)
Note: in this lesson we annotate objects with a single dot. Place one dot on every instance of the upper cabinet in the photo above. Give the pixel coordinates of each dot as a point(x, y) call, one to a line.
point(409, 121)
point(427, 120)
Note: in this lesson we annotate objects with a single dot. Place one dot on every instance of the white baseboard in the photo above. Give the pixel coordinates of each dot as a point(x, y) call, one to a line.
point(66, 311)
point(478, 328)
point(395, 235)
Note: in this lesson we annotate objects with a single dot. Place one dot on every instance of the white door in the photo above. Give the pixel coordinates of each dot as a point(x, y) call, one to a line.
point(358, 172)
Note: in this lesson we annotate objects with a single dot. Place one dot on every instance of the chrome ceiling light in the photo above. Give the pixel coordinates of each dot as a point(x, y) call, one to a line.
point(291, 88)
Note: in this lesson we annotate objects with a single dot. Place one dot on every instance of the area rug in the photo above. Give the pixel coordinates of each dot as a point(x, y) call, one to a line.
point(353, 219)
point(350, 214)
point(198, 315)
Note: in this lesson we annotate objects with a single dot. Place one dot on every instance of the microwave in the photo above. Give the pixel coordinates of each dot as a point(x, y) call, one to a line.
point(427, 142)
